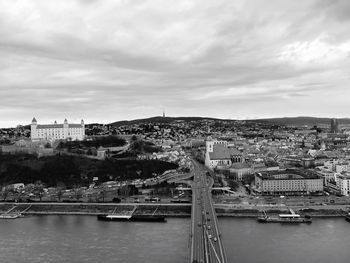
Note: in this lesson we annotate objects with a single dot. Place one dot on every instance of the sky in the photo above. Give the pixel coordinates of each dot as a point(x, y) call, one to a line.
point(110, 60)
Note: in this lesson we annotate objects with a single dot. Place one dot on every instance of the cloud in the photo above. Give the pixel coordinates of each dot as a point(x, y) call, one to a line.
point(109, 60)
point(317, 51)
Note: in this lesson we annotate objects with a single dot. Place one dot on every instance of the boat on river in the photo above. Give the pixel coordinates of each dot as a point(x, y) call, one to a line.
point(132, 218)
point(347, 217)
point(291, 218)
point(10, 216)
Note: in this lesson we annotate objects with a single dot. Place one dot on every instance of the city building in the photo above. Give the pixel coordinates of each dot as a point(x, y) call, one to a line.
point(342, 167)
point(240, 170)
point(343, 183)
point(334, 126)
point(288, 182)
point(327, 175)
point(219, 154)
point(308, 162)
point(52, 132)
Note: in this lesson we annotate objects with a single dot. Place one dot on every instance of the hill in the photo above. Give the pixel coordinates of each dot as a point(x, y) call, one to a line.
point(300, 121)
point(160, 119)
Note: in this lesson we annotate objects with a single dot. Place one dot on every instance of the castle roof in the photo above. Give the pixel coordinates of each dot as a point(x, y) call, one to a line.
point(55, 126)
point(49, 126)
point(74, 125)
point(34, 120)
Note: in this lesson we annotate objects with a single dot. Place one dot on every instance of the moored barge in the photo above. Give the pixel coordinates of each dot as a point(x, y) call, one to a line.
point(347, 217)
point(132, 218)
point(10, 216)
point(292, 218)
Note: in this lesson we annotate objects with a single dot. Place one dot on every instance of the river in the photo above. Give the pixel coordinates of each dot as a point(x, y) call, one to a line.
point(84, 239)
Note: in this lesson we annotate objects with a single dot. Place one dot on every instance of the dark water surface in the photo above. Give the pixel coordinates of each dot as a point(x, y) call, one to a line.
point(323, 241)
point(84, 239)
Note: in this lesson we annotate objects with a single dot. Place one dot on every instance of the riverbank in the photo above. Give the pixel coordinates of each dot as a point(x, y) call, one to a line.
point(179, 210)
point(169, 210)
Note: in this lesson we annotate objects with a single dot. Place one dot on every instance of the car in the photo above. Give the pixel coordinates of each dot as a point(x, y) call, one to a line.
point(215, 239)
point(209, 236)
point(209, 227)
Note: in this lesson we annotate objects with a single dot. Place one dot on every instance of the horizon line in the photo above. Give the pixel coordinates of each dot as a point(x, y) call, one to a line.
point(203, 117)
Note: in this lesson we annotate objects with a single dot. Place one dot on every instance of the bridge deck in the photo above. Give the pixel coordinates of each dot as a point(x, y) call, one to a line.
point(206, 242)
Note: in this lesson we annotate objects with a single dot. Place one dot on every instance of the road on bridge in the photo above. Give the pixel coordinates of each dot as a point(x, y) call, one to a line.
point(206, 239)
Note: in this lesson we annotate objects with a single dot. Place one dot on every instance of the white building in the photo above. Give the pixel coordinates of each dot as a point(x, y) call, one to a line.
point(327, 175)
point(342, 167)
point(56, 131)
point(330, 164)
point(288, 182)
point(343, 183)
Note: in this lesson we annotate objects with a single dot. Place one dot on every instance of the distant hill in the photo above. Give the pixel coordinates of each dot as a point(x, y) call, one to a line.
point(300, 121)
point(160, 119)
point(293, 121)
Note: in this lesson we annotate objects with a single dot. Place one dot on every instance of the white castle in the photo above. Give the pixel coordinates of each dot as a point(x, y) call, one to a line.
point(56, 131)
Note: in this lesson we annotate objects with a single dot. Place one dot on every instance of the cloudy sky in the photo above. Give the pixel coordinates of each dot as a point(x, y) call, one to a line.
point(108, 60)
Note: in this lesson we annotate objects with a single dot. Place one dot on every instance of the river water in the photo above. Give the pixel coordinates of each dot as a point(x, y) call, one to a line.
point(84, 239)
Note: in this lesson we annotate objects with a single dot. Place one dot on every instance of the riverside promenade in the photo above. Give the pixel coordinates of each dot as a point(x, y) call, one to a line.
point(167, 209)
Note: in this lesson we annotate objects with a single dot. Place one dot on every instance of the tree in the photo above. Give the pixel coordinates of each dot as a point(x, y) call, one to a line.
point(116, 200)
point(78, 192)
point(5, 192)
point(234, 185)
point(39, 189)
point(60, 189)
point(102, 193)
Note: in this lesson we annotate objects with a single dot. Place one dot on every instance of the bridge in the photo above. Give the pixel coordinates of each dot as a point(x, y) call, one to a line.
point(205, 239)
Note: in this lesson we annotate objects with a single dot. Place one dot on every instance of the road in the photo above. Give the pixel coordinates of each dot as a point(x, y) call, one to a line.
point(206, 239)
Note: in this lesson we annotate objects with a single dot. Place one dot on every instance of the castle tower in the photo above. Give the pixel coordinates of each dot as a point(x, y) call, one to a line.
point(34, 122)
point(83, 128)
point(33, 132)
point(65, 129)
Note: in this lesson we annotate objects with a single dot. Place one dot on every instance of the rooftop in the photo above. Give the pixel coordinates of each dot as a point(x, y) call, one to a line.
point(57, 126)
point(344, 175)
point(220, 152)
point(288, 174)
point(241, 165)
